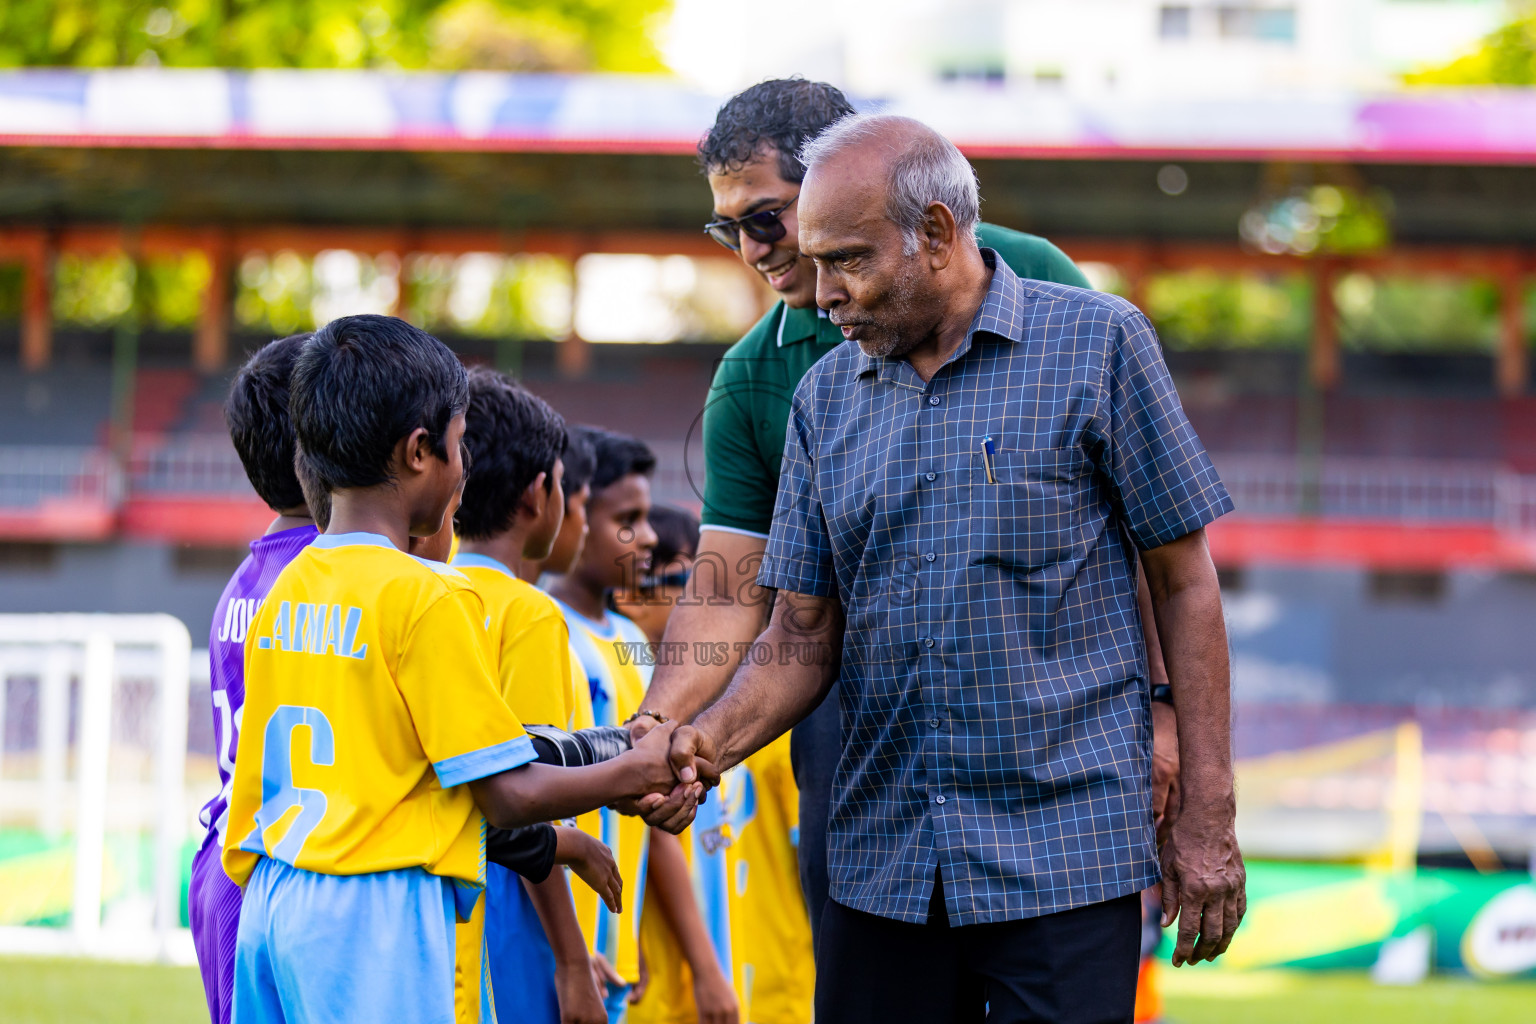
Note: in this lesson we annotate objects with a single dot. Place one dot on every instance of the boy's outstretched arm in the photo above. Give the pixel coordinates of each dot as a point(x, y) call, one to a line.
point(542, 792)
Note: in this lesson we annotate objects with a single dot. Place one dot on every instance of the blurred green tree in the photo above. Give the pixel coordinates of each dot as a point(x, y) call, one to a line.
point(449, 35)
point(1506, 56)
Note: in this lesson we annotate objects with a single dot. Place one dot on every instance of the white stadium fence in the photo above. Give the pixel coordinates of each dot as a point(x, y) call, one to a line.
point(95, 812)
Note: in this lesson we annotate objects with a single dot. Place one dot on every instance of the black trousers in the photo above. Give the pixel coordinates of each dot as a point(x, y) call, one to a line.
point(1075, 967)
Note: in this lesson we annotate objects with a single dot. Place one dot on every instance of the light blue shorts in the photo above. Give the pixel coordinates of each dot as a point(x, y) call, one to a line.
point(337, 949)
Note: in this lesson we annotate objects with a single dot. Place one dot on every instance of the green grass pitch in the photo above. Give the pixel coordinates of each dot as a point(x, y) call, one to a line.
point(35, 991)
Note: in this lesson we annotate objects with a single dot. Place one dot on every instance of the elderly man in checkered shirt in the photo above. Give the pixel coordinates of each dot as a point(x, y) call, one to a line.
point(964, 496)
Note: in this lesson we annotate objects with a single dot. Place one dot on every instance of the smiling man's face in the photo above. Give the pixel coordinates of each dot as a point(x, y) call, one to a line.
point(753, 188)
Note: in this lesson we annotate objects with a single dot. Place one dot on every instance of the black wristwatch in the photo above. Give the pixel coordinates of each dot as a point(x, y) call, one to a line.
point(1162, 693)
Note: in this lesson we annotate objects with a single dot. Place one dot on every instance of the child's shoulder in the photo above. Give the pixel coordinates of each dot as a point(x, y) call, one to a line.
point(531, 602)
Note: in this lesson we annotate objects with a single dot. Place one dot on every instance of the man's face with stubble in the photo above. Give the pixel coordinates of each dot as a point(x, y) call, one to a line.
point(873, 288)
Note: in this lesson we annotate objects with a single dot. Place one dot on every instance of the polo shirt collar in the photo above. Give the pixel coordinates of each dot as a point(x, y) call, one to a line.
point(797, 325)
point(1001, 314)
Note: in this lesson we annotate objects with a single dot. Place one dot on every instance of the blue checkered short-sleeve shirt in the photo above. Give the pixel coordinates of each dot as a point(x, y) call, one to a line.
point(996, 722)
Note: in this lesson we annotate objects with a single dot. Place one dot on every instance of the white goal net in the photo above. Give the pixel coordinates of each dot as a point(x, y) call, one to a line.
point(94, 812)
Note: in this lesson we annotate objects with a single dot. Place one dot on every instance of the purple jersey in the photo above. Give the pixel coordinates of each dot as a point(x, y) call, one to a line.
point(213, 902)
point(237, 606)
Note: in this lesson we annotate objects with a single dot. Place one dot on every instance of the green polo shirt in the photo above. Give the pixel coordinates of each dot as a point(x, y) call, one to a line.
point(748, 410)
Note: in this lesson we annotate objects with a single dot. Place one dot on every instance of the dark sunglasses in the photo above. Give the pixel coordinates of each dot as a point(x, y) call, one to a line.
point(672, 579)
point(763, 226)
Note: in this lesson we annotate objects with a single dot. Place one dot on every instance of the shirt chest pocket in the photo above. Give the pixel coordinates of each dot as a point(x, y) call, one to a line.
point(1026, 517)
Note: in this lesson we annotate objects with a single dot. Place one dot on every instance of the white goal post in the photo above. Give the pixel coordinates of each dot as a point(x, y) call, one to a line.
point(117, 776)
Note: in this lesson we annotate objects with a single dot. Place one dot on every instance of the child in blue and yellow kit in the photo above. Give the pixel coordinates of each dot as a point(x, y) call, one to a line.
point(376, 743)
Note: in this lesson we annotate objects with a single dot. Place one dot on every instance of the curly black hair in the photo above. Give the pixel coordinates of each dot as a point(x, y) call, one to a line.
point(677, 533)
point(512, 436)
point(259, 426)
point(781, 114)
point(360, 384)
point(618, 456)
point(580, 459)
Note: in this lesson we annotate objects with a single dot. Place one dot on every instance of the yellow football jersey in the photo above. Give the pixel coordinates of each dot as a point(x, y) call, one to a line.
point(669, 995)
point(747, 872)
point(371, 698)
point(530, 640)
point(615, 680)
point(588, 906)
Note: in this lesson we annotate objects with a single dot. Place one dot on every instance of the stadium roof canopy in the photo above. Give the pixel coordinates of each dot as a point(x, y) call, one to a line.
point(598, 153)
point(229, 162)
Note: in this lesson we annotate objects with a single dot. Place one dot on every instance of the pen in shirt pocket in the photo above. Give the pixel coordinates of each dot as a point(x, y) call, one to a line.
point(988, 453)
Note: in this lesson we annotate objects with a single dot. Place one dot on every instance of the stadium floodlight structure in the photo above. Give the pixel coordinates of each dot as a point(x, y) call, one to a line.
point(129, 749)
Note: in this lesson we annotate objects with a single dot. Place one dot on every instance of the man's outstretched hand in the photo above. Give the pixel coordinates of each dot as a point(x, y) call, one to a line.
point(692, 767)
point(1204, 884)
point(664, 801)
point(693, 756)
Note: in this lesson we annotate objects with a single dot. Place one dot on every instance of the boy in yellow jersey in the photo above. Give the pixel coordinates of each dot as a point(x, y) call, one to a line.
point(579, 462)
point(674, 935)
point(516, 939)
point(512, 510)
point(375, 733)
point(612, 650)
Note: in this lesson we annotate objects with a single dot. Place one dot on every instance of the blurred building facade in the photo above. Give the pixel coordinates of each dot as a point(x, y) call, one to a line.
point(1090, 48)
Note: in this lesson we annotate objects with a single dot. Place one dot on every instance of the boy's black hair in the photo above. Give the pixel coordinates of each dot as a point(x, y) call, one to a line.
point(316, 497)
point(782, 113)
point(580, 458)
point(257, 415)
point(512, 437)
point(360, 385)
point(677, 532)
point(618, 455)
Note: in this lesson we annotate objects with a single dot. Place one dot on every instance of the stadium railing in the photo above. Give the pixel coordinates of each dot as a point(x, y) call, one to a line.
point(206, 465)
point(45, 488)
point(1405, 490)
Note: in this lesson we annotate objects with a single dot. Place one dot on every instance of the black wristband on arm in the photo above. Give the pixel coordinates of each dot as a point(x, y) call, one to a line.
point(1162, 693)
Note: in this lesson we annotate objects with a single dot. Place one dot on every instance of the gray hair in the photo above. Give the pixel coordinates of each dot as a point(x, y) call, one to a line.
point(928, 169)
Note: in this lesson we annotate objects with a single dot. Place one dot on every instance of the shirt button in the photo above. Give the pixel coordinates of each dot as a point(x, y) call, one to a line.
point(930, 476)
point(927, 641)
point(933, 399)
point(935, 722)
point(939, 799)
point(930, 556)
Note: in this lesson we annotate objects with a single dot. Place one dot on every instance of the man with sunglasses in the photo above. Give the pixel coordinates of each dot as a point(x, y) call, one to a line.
point(751, 159)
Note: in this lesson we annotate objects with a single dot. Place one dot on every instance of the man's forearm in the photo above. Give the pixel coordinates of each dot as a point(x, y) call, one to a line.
point(721, 613)
point(765, 700)
point(713, 637)
point(1186, 600)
